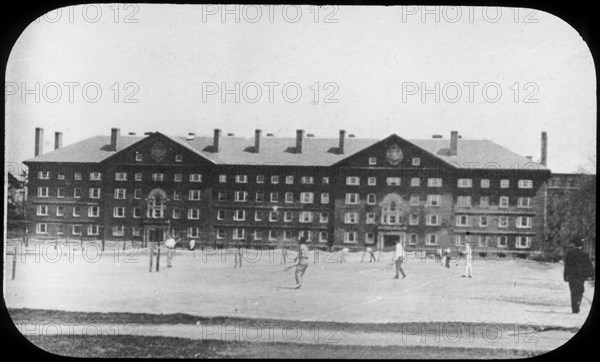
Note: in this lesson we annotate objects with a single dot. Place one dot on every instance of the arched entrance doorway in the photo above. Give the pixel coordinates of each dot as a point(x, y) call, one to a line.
point(392, 226)
point(156, 205)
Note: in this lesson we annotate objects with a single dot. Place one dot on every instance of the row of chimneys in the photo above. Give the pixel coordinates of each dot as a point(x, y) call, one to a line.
point(115, 132)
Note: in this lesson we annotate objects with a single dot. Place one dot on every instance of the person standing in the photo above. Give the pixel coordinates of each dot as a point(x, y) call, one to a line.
point(302, 259)
point(468, 261)
point(578, 267)
point(170, 245)
point(447, 258)
point(398, 259)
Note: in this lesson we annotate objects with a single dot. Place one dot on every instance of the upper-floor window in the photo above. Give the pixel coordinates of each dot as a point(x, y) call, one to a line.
point(158, 177)
point(352, 180)
point(372, 181)
point(324, 217)
point(434, 182)
point(372, 160)
point(325, 197)
point(416, 161)
point(485, 183)
point(306, 216)
point(77, 192)
point(464, 201)
point(194, 195)
point(44, 175)
point(176, 195)
point(274, 179)
point(239, 215)
point(77, 176)
point(325, 180)
point(433, 220)
point(95, 176)
point(434, 200)
point(288, 216)
point(289, 197)
point(260, 197)
point(307, 180)
point(307, 197)
point(289, 180)
point(524, 202)
point(222, 178)
point(503, 201)
point(60, 192)
point(393, 181)
point(462, 220)
point(241, 196)
point(193, 214)
point(139, 157)
point(138, 176)
point(178, 158)
point(61, 176)
point(94, 211)
point(413, 219)
point(503, 221)
point(525, 184)
point(352, 198)
point(119, 211)
point(504, 183)
point(178, 177)
point(351, 218)
point(415, 182)
point(465, 182)
point(274, 197)
point(222, 196)
point(120, 176)
point(137, 193)
point(523, 222)
point(371, 199)
point(414, 200)
point(94, 193)
point(120, 194)
point(484, 201)
point(371, 218)
point(260, 179)
point(195, 177)
point(241, 179)
point(42, 210)
point(483, 221)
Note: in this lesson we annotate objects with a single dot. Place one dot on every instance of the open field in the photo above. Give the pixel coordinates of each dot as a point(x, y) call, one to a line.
point(366, 306)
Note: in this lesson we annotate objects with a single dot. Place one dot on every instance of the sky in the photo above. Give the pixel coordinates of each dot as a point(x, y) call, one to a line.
point(490, 73)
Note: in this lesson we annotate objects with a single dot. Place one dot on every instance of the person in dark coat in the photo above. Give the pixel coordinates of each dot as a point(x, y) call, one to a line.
point(578, 267)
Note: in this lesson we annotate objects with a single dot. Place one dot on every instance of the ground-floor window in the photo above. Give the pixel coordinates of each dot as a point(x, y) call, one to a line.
point(322, 236)
point(194, 232)
point(431, 239)
point(272, 235)
point(76, 230)
point(257, 235)
point(370, 238)
point(502, 241)
point(238, 234)
point(136, 231)
point(60, 229)
point(41, 228)
point(118, 230)
point(92, 230)
point(350, 237)
point(287, 235)
point(523, 242)
point(412, 239)
point(220, 233)
point(305, 233)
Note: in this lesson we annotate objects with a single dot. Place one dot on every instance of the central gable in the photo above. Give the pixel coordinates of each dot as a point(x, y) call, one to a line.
point(158, 149)
point(393, 152)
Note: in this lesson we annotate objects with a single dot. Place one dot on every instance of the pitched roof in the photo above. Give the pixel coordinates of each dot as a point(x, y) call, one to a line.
point(280, 151)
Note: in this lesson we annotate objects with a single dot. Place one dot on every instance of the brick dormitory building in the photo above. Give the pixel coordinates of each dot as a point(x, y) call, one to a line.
point(341, 191)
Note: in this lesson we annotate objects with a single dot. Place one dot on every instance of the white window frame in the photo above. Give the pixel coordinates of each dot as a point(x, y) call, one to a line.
point(76, 211)
point(351, 217)
point(415, 200)
point(74, 231)
point(78, 176)
point(95, 176)
point(350, 237)
point(324, 197)
point(431, 198)
point(221, 214)
point(307, 180)
point(274, 197)
point(289, 197)
point(120, 194)
point(193, 213)
point(222, 178)
point(61, 209)
point(44, 175)
point(60, 192)
point(369, 238)
point(524, 222)
point(323, 236)
point(139, 157)
point(258, 215)
point(241, 179)
point(371, 218)
point(75, 196)
point(434, 182)
point(259, 196)
point(275, 179)
point(306, 216)
point(240, 196)
point(93, 230)
point(42, 191)
point(352, 180)
point(393, 181)
point(415, 182)
point(138, 176)
point(324, 217)
point(158, 177)
point(42, 210)
point(430, 220)
point(500, 222)
point(372, 181)
point(176, 213)
point(504, 183)
point(372, 161)
point(352, 198)
point(194, 232)
point(289, 180)
point(485, 204)
point(524, 205)
point(176, 195)
point(428, 239)
point(239, 215)
point(41, 228)
point(483, 224)
point(325, 180)
point(273, 216)
point(260, 179)
point(194, 195)
point(501, 202)
point(137, 194)
point(119, 212)
point(485, 183)
point(502, 241)
point(371, 199)
point(416, 161)
point(118, 230)
point(288, 216)
point(463, 201)
point(518, 244)
point(139, 212)
point(413, 219)
point(178, 177)
point(92, 192)
point(525, 184)
point(120, 176)
point(178, 158)
point(307, 197)
point(465, 182)
point(91, 212)
point(459, 220)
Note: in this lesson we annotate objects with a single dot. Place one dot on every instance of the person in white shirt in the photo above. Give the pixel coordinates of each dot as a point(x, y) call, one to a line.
point(170, 244)
point(468, 261)
point(398, 259)
point(302, 259)
point(368, 250)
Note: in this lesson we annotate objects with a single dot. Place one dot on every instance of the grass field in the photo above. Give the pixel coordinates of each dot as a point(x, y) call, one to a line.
point(362, 297)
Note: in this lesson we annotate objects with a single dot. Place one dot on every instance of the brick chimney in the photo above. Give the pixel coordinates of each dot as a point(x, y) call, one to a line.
point(342, 141)
point(544, 158)
point(39, 141)
point(216, 140)
point(257, 134)
point(299, 140)
point(57, 140)
point(114, 138)
point(453, 143)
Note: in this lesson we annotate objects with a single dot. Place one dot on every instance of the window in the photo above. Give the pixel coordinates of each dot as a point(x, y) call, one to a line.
point(322, 236)
point(464, 201)
point(524, 202)
point(431, 239)
point(42, 191)
point(307, 197)
point(371, 218)
point(462, 220)
point(369, 238)
point(465, 182)
point(220, 214)
point(139, 157)
point(288, 216)
point(241, 179)
point(60, 229)
point(119, 211)
point(42, 210)
point(272, 235)
point(275, 179)
point(414, 200)
point(325, 198)
point(194, 214)
point(194, 195)
point(239, 215)
point(136, 231)
point(94, 211)
point(289, 180)
point(485, 183)
point(351, 218)
point(434, 200)
point(178, 177)
point(307, 180)
point(257, 235)
point(415, 182)
point(287, 235)
point(483, 221)
point(44, 175)
point(434, 182)
point(523, 242)
point(258, 216)
point(120, 194)
point(523, 222)
point(273, 216)
point(274, 197)
point(194, 232)
point(504, 183)
point(412, 239)
point(503, 201)
point(372, 160)
point(137, 193)
point(239, 234)
point(178, 158)
point(325, 180)
point(352, 180)
point(416, 161)
point(222, 196)
point(372, 181)
point(371, 199)
point(222, 179)
point(413, 219)
point(241, 196)
point(76, 230)
point(76, 192)
point(61, 176)
point(503, 221)
point(118, 230)
point(525, 184)
point(393, 181)
point(120, 176)
point(94, 193)
point(484, 201)
point(324, 217)
point(138, 176)
point(350, 237)
point(352, 198)
point(289, 197)
point(483, 241)
point(260, 197)
point(176, 213)
point(95, 176)
point(176, 195)
point(60, 211)
point(158, 177)
point(60, 192)
point(502, 241)
point(137, 212)
point(306, 216)
point(78, 176)
point(433, 220)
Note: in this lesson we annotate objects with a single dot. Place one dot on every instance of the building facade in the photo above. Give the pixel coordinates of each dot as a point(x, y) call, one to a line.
point(268, 190)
